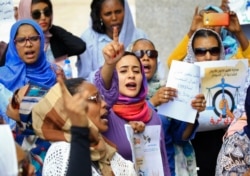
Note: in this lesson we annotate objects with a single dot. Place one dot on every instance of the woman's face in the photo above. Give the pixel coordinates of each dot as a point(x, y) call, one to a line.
point(42, 14)
point(112, 15)
point(148, 60)
point(27, 43)
point(97, 107)
point(129, 75)
point(206, 49)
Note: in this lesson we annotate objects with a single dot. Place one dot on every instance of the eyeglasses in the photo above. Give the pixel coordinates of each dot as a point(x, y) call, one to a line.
point(97, 98)
point(22, 41)
point(15, 100)
point(153, 54)
point(36, 14)
point(214, 51)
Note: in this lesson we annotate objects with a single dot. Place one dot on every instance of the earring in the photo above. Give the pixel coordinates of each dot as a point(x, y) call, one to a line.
point(101, 22)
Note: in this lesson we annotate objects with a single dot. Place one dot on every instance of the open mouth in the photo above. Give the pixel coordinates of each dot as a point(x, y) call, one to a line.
point(30, 53)
point(105, 115)
point(131, 85)
point(147, 68)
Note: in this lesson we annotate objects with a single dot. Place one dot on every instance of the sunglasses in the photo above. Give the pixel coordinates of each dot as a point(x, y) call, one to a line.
point(15, 100)
point(36, 14)
point(96, 98)
point(214, 51)
point(22, 41)
point(153, 54)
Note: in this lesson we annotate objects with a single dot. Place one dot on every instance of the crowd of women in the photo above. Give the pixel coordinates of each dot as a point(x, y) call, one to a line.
point(58, 126)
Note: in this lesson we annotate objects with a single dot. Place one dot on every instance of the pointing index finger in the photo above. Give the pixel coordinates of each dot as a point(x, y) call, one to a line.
point(115, 34)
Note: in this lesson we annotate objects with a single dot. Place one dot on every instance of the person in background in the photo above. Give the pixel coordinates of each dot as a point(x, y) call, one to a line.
point(236, 126)
point(234, 153)
point(3, 49)
point(13, 160)
point(206, 45)
point(177, 133)
point(26, 60)
point(59, 43)
point(26, 63)
point(16, 4)
point(5, 95)
point(80, 132)
point(105, 15)
point(234, 40)
point(7, 19)
point(84, 106)
point(124, 85)
point(24, 134)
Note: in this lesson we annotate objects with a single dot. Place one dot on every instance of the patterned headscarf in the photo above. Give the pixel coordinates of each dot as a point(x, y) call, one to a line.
point(190, 57)
point(50, 122)
point(17, 73)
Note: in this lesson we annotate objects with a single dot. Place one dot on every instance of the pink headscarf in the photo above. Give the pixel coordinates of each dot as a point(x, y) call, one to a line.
point(24, 9)
point(24, 12)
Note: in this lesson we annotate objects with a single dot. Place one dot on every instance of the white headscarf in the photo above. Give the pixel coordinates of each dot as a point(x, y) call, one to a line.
point(128, 31)
point(190, 57)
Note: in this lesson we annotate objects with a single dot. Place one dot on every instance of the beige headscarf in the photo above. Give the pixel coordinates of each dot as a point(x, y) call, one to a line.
point(50, 122)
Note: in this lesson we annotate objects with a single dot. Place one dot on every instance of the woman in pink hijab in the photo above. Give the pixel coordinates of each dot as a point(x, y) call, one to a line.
point(59, 43)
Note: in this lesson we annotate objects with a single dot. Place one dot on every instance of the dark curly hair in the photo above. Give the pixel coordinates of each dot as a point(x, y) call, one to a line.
point(95, 15)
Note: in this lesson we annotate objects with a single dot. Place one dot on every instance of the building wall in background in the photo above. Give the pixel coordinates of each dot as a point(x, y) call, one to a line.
point(167, 21)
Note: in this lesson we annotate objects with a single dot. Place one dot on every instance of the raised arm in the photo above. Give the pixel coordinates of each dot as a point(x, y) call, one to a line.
point(235, 28)
point(80, 143)
point(180, 51)
point(112, 52)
